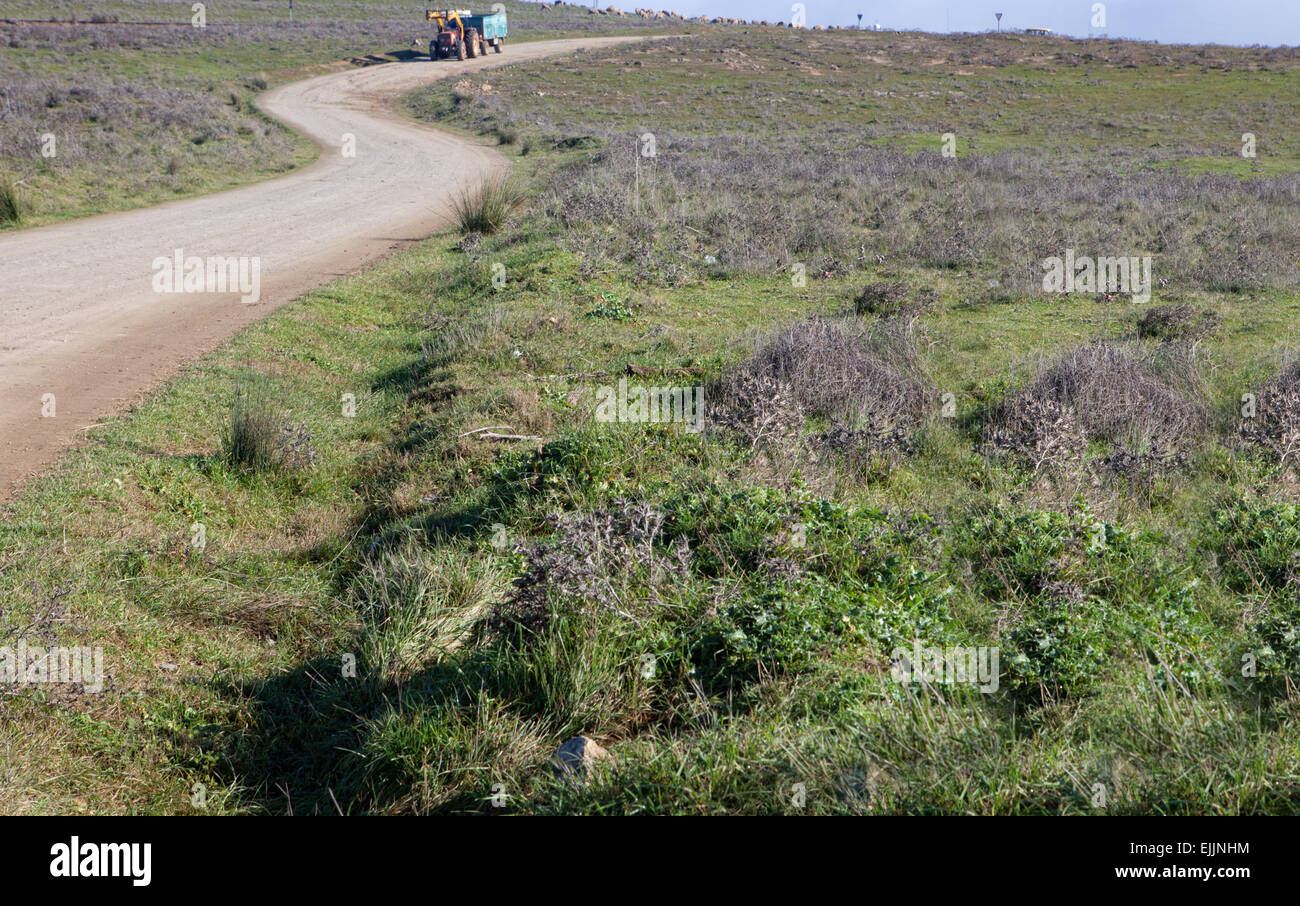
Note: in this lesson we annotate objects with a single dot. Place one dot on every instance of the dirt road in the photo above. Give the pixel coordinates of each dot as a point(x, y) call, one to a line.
point(80, 314)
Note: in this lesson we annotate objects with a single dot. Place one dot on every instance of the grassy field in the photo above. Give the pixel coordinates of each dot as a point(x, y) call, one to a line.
point(145, 115)
point(905, 441)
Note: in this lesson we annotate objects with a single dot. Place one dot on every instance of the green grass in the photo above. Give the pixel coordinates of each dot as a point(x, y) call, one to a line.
point(413, 623)
point(382, 556)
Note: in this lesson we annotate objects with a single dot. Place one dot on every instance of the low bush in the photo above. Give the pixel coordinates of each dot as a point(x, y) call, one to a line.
point(1274, 427)
point(1098, 392)
point(868, 384)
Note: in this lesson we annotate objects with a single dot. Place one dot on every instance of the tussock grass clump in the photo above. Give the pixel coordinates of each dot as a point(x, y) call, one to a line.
point(1098, 392)
point(1275, 427)
point(12, 205)
point(416, 606)
point(251, 439)
point(485, 208)
point(865, 383)
point(259, 437)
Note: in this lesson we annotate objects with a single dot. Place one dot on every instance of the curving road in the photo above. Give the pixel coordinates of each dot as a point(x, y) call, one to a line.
point(79, 314)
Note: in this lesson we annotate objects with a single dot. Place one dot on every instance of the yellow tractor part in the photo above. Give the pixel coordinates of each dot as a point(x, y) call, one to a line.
point(442, 16)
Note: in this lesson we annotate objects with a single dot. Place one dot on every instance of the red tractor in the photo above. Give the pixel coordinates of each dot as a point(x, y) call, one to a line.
point(454, 38)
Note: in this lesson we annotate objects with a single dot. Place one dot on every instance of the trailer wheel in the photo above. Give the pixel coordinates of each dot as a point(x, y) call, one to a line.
point(497, 47)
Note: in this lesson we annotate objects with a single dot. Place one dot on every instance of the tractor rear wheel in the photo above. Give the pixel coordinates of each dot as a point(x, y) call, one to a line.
point(473, 49)
point(460, 50)
point(433, 49)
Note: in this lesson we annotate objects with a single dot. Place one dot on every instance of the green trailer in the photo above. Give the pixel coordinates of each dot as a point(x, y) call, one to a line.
point(492, 28)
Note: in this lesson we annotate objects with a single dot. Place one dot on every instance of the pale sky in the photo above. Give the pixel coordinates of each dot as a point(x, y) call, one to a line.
point(1271, 22)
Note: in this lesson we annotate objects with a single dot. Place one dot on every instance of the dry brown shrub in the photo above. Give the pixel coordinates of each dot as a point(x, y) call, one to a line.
point(867, 384)
point(1276, 425)
point(586, 566)
point(1177, 323)
point(1099, 392)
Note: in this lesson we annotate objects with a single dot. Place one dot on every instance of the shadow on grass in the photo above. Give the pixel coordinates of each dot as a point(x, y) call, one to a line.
point(314, 747)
